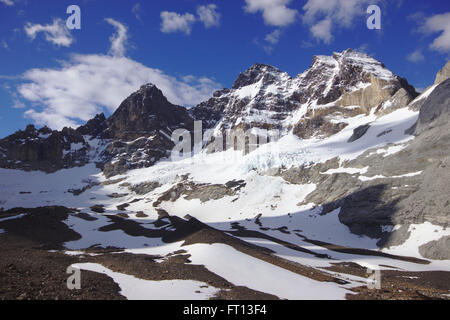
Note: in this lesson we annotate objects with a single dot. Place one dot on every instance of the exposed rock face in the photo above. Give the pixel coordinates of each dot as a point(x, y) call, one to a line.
point(144, 113)
point(443, 74)
point(43, 149)
point(380, 94)
point(400, 99)
point(438, 250)
point(94, 127)
point(145, 187)
point(204, 192)
point(141, 130)
point(359, 132)
point(436, 109)
point(256, 73)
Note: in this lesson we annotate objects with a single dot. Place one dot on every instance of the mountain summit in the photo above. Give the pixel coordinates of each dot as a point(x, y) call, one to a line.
point(345, 83)
point(145, 112)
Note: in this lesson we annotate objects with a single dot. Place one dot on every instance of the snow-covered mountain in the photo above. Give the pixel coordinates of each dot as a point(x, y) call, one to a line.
point(344, 83)
point(357, 178)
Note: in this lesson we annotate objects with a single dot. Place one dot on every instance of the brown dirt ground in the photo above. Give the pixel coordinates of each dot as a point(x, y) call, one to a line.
point(28, 270)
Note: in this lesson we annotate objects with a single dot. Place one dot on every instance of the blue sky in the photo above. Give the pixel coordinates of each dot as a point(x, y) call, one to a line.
point(50, 75)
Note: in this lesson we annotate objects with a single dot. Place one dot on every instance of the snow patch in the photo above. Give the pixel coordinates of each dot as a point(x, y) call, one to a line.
point(138, 289)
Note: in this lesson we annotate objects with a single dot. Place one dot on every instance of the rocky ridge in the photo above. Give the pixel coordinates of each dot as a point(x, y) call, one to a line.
point(138, 134)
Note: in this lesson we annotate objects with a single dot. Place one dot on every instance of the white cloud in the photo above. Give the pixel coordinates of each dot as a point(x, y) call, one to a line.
point(7, 2)
point(325, 16)
point(57, 32)
point(275, 12)
point(322, 31)
point(439, 23)
point(415, 56)
point(175, 22)
point(273, 37)
point(88, 84)
point(118, 39)
point(208, 15)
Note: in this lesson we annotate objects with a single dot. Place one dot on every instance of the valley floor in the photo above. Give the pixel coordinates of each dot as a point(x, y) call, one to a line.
point(194, 261)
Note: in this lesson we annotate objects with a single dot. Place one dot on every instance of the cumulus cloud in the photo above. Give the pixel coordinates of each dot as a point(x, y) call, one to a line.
point(89, 84)
point(118, 39)
point(175, 22)
point(208, 15)
point(56, 33)
point(325, 16)
point(415, 56)
point(274, 12)
point(439, 23)
point(322, 31)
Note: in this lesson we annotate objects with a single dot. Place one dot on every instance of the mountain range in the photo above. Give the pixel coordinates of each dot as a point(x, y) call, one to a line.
point(357, 178)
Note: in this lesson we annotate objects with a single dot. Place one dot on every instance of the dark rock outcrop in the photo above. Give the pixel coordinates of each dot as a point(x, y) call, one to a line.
point(94, 127)
point(43, 149)
point(435, 111)
point(359, 132)
point(147, 112)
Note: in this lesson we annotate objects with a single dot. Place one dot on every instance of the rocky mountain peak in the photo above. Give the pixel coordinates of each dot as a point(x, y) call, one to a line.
point(94, 127)
point(346, 69)
point(255, 73)
point(265, 97)
point(443, 74)
point(149, 91)
point(145, 111)
point(353, 78)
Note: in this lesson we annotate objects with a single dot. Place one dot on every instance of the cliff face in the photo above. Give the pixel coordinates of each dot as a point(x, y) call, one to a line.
point(144, 113)
point(443, 74)
point(43, 149)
